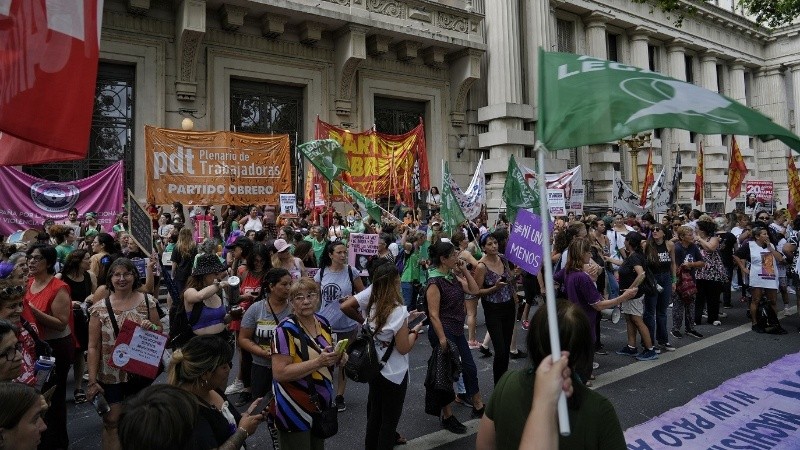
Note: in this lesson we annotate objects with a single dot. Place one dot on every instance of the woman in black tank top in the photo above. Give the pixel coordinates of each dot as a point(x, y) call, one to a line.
point(660, 253)
point(82, 284)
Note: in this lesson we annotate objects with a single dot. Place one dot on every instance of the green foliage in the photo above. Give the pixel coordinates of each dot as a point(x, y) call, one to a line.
point(773, 13)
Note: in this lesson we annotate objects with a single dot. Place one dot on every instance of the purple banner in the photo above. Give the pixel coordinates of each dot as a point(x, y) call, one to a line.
point(524, 247)
point(756, 410)
point(27, 201)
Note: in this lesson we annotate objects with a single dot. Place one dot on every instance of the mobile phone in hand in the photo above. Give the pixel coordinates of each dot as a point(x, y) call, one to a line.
point(263, 404)
point(417, 320)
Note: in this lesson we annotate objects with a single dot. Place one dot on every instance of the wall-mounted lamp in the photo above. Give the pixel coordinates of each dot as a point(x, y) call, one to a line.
point(187, 124)
point(462, 145)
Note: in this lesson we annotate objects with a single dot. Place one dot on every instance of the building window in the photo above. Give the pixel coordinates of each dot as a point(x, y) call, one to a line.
point(657, 133)
point(720, 78)
point(748, 89)
point(615, 148)
point(565, 36)
point(689, 68)
point(112, 131)
point(612, 47)
point(264, 108)
point(652, 57)
point(395, 116)
point(692, 137)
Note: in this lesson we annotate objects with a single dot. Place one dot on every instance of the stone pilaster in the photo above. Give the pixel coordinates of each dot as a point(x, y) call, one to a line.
point(796, 96)
point(676, 140)
point(639, 57)
point(771, 156)
point(505, 112)
point(738, 94)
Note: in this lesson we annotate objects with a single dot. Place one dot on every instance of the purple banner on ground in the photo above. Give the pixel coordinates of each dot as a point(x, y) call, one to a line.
point(756, 410)
point(524, 247)
point(27, 201)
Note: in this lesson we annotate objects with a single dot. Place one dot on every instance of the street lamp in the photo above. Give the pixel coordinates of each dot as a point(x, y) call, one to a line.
point(635, 143)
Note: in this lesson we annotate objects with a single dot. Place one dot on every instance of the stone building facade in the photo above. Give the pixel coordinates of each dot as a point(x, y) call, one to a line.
point(467, 67)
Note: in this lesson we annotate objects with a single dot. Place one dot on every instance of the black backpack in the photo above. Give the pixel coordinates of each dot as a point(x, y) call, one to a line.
point(180, 326)
point(767, 319)
point(362, 358)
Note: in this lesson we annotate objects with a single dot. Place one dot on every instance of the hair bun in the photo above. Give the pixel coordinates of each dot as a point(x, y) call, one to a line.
point(177, 356)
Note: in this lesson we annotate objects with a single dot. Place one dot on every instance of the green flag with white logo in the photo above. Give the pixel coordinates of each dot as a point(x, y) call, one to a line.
point(585, 100)
point(327, 156)
point(450, 210)
point(364, 203)
point(517, 193)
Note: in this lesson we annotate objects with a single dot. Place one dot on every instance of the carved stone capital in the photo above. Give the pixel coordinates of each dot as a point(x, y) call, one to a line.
point(232, 16)
point(273, 25)
point(641, 33)
point(311, 32)
point(677, 45)
point(434, 56)
point(138, 6)
point(378, 45)
point(190, 29)
point(597, 19)
point(407, 50)
point(351, 51)
point(465, 69)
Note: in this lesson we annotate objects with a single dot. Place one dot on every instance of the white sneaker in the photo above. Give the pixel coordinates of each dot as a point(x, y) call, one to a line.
point(235, 388)
point(790, 311)
point(595, 366)
point(790, 290)
point(717, 323)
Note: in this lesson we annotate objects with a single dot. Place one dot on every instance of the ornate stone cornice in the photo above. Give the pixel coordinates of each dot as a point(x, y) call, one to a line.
point(351, 52)
point(597, 19)
point(465, 69)
point(190, 29)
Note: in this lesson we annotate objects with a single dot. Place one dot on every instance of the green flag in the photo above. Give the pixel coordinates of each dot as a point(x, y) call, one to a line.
point(364, 203)
point(450, 210)
point(517, 193)
point(585, 100)
point(327, 156)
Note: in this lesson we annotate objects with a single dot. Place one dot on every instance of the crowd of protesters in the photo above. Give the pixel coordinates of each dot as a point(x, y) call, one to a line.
point(279, 292)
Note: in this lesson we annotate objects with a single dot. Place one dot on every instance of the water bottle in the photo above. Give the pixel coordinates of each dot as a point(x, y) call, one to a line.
point(100, 404)
point(43, 368)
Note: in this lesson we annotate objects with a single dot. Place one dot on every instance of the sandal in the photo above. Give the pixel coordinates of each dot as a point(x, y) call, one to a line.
point(80, 396)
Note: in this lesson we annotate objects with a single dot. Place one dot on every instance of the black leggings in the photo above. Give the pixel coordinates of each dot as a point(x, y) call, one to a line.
point(384, 408)
point(56, 437)
point(500, 325)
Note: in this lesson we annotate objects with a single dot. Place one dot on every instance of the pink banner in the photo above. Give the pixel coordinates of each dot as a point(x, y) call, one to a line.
point(27, 201)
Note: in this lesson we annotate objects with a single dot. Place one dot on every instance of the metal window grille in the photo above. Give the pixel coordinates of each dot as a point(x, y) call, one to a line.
point(565, 35)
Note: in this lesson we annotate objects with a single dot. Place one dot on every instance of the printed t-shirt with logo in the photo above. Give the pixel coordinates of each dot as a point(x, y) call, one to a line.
point(260, 319)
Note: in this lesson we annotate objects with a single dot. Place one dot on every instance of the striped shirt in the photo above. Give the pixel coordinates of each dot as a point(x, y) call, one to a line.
point(293, 405)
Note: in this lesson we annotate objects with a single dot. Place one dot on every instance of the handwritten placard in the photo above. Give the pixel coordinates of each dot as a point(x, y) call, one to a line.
point(362, 248)
point(140, 225)
point(288, 204)
point(524, 246)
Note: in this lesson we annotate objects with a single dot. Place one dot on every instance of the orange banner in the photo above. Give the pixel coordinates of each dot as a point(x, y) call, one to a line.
point(214, 168)
point(698, 178)
point(794, 187)
point(383, 164)
point(737, 170)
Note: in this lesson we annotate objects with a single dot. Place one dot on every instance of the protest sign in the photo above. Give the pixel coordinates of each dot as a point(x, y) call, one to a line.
point(140, 225)
point(27, 201)
point(556, 202)
point(137, 350)
point(361, 249)
point(208, 168)
point(759, 194)
point(524, 247)
point(571, 181)
point(754, 410)
point(288, 204)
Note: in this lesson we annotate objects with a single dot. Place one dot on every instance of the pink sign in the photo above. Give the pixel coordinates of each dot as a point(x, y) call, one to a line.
point(27, 201)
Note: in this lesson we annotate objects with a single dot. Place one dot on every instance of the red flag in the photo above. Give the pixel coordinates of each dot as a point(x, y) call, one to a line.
point(48, 67)
point(698, 178)
point(794, 187)
point(737, 170)
point(649, 178)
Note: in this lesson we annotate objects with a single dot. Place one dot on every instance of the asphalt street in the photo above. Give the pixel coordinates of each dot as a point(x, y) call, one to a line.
point(639, 390)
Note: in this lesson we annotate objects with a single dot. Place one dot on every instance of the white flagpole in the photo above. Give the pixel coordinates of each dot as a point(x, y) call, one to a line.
point(552, 315)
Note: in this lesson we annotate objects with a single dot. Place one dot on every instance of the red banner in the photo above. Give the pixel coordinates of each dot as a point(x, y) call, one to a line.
point(48, 67)
point(794, 187)
point(649, 178)
point(383, 164)
point(737, 170)
point(698, 177)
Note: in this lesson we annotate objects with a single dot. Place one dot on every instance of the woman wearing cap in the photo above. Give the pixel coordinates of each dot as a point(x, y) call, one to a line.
point(282, 258)
point(203, 290)
point(125, 303)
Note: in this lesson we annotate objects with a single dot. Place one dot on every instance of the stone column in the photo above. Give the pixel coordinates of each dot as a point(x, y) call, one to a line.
point(639, 57)
point(738, 94)
point(714, 153)
point(771, 155)
point(676, 140)
point(505, 112)
point(600, 159)
point(796, 96)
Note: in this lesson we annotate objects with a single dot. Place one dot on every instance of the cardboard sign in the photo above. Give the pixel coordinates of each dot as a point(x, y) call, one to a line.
point(288, 204)
point(137, 350)
point(140, 225)
point(758, 195)
point(361, 249)
point(524, 247)
point(556, 202)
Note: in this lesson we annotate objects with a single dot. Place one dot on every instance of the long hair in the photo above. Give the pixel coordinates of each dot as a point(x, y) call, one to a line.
point(303, 251)
point(635, 240)
point(326, 260)
point(650, 251)
point(385, 296)
point(160, 417)
point(186, 243)
point(577, 249)
point(17, 399)
point(200, 355)
point(73, 262)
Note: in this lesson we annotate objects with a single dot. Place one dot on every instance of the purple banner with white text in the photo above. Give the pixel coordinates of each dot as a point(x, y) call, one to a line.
point(756, 410)
point(524, 247)
point(26, 201)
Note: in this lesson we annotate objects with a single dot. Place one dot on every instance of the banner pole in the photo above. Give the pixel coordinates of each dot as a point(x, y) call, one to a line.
point(552, 315)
